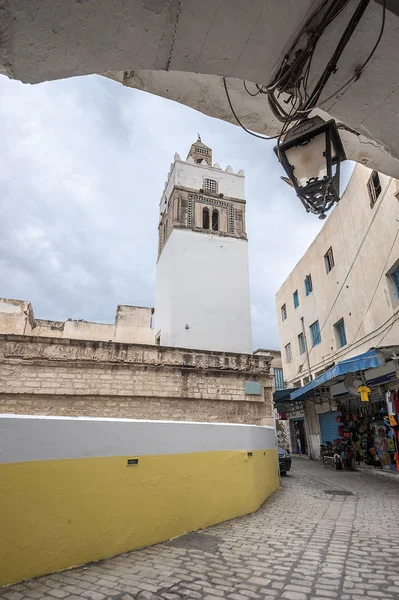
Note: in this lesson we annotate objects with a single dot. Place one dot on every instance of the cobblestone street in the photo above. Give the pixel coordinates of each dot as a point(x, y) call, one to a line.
point(303, 544)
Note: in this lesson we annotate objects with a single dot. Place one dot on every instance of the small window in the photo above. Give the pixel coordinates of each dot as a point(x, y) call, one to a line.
point(205, 218)
point(210, 185)
point(201, 150)
point(215, 220)
point(288, 353)
point(199, 161)
point(340, 333)
point(301, 342)
point(329, 260)
point(283, 312)
point(278, 378)
point(308, 285)
point(315, 333)
point(394, 278)
point(374, 187)
point(296, 299)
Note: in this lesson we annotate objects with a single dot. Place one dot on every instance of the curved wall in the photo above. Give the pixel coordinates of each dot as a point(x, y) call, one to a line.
point(75, 490)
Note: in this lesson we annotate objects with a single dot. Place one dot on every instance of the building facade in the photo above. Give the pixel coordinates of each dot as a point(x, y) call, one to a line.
point(342, 297)
point(202, 287)
point(338, 314)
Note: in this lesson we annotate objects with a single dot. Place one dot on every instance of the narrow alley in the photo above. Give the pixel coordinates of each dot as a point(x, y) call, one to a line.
point(305, 543)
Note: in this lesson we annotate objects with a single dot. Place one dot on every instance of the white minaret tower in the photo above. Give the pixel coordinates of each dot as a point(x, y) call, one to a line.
point(202, 288)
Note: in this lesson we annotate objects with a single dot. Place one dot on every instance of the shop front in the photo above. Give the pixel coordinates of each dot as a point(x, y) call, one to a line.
point(352, 411)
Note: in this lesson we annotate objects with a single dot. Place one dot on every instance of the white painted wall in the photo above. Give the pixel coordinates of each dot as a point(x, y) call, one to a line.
point(365, 246)
point(203, 282)
point(26, 438)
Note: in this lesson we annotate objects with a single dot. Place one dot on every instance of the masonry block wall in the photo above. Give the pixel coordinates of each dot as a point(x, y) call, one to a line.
point(67, 377)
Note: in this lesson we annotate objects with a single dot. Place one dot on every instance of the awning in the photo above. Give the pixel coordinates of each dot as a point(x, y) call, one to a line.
point(283, 395)
point(362, 362)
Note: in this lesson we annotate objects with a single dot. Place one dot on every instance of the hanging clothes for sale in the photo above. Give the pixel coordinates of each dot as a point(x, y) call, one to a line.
point(364, 392)
point(391, 409)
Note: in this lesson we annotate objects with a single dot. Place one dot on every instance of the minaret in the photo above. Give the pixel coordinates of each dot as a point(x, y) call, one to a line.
point(202, 288)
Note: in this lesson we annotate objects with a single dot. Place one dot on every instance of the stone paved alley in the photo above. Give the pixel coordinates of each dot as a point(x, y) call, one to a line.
point(303, 544)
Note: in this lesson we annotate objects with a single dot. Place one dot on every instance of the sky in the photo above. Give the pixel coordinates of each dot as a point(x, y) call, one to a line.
point(83, 163)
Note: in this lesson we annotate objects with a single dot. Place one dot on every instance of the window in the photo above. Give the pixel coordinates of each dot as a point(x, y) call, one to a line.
point(210, 185)
point(301, 342)
point(296, 299)
point(374, 187)
point(308, 284)
point(329, 260)
point(395, 279)
point(393, 283)
point(205, 218)
point(215, 220)
point(283, 312)
point(278, 378)
point(288, 353)
point(201, 150)
point(199, 161)
point(315, 333)
point(340, 333)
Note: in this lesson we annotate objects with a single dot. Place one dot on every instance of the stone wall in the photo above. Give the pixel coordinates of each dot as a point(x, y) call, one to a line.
point(73, 377)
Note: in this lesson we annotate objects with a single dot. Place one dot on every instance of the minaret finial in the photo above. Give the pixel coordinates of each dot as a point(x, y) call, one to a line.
point(199, 137)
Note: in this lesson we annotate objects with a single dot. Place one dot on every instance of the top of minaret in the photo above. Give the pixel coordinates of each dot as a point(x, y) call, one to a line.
point(200, 152)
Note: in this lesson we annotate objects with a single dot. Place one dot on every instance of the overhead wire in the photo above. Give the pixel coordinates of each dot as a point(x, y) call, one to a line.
point(292, 80)
point(262, 137)
point(356, 76)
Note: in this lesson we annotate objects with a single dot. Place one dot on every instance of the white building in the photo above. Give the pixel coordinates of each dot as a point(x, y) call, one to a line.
point(342, 298)
point(342, 301)
point(202, 288)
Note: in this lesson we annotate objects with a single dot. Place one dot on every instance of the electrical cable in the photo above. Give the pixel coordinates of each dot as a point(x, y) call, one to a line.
point(293, 80)
point(250, 93)
point(262, 137)
point(359, 71)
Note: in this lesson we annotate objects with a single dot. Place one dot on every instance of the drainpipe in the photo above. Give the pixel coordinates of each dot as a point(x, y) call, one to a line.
point(306, 349)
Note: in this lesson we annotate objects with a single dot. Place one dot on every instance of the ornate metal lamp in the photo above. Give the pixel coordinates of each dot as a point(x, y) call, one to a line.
point(311, 154)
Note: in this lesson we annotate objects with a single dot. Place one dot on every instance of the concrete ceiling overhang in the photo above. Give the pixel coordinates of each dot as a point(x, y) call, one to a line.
point(182, 49)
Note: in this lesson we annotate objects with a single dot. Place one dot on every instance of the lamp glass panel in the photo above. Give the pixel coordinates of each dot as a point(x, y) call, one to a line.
point(309, 160)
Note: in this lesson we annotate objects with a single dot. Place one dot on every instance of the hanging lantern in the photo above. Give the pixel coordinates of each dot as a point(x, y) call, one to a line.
point(311, 154)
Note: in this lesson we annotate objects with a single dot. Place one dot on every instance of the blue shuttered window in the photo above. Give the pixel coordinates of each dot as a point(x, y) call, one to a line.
point(395, 279)
point(315, 332)
point(296, 299)
point(278, 378)
point(308, 285)
point(341, 334)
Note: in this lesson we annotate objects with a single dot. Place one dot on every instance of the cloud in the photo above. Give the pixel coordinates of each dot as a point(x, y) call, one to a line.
point(82, 167)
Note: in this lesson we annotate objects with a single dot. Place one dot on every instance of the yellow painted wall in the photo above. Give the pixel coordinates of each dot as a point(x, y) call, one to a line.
point(56, 514)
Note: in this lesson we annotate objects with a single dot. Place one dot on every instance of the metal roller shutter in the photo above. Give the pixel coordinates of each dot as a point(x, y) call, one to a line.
point(329, 426)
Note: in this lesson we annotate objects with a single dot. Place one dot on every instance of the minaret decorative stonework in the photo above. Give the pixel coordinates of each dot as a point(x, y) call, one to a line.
point(202, 289)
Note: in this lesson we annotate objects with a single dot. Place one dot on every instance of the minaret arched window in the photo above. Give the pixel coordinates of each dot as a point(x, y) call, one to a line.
point(205, 218)
point(215, 220)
